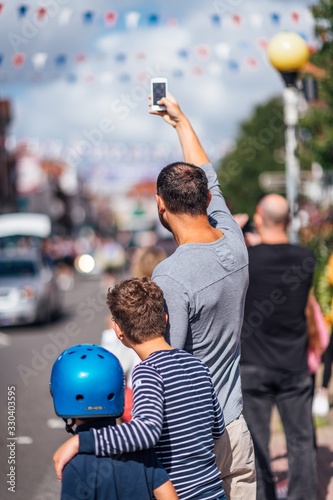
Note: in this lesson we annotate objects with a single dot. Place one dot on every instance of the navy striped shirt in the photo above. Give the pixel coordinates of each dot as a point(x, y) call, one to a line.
point(175, 410)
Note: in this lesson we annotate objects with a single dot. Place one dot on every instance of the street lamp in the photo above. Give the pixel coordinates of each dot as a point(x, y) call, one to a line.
point(288, 53)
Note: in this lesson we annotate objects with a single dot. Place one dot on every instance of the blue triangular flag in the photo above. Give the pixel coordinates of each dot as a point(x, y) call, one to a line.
point(153, 19)
point(60, 59)
point(216, 20)
point(275, 17)
point(88, 16)
point(22, 10)
point(183, 53)
point(233, 65)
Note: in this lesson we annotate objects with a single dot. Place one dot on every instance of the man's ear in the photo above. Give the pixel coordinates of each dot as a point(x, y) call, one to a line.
point(160, 204)
point(166, 318)
point(257, 219)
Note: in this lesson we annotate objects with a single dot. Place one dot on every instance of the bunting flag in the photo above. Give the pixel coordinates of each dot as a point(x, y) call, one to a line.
point(223, 50)
point(216, 20)
point(71, 78)
point(233, 65)
point(178, 73)
point(171, 22)
point(1, 7)
point(64, 16)
point(214, 68)
point(236, 19)
point(88, 17)
point(132, 19)
point(80, 58)
point(256, 20)
point(106, 77)
point(39, 60)
point(22, 10)
point(275, 18)
point(183, 53)
point(197, 71)
point(120, 57)
point(124, 77)
point(41, 13)
point(262, 43)
point(60, 60)
point(18, 59)
point(110, 18)
point(153, 19)
point(252, 63)
point(295, 16)
point(89, 78)
point(244, 45)
point(202, 52)
point(1, 59)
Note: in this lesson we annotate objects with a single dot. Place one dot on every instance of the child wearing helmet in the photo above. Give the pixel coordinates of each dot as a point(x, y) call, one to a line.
point(175, 406)
point(87, 385)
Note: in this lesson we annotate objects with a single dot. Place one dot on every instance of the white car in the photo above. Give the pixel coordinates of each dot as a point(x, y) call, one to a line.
point(28, 288)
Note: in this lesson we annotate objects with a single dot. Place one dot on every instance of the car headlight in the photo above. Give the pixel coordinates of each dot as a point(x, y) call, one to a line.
point(84, 263)
point(27, 293)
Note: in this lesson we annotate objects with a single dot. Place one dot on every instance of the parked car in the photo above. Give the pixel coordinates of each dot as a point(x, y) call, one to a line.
point(28, 289)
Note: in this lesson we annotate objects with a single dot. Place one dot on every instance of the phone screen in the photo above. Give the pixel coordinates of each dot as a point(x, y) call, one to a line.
point(158, 92)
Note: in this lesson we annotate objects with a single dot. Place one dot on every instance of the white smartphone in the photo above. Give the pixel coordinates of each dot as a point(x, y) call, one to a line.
point(159, 89)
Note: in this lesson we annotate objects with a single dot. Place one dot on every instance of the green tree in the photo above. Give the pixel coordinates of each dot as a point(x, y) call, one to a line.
point(318, 120)
point(259, 148)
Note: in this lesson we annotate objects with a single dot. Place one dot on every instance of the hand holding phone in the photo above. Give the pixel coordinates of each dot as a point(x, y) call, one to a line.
point(159, 89)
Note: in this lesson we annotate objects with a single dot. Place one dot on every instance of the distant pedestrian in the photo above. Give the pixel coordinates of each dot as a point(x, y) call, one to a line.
point(274, 350)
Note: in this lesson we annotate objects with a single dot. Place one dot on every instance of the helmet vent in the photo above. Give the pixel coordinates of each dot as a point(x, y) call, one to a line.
point(79, 397)
point(72, 352)
point(84, 356)
point(110, 396)
point(100, 356)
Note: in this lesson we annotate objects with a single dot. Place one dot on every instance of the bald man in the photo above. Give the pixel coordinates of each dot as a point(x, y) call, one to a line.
point(274, 346)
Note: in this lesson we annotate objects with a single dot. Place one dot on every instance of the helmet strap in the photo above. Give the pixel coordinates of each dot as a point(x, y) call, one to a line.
point(69, 425)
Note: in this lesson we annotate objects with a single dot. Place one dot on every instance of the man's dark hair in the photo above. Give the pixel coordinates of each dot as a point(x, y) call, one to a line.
point(137, 306)
point(183, 188)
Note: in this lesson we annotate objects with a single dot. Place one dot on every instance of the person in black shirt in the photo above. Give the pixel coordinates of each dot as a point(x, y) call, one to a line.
point(274, 345)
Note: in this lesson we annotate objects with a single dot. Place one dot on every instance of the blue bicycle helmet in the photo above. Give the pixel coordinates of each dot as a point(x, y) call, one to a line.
point(87, 381)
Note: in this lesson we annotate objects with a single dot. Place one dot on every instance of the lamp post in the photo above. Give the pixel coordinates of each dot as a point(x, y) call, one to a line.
point(288, 53)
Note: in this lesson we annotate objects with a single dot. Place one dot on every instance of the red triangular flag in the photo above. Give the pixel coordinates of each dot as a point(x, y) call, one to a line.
point(295, 16)
point(110, 18)
point(18, 59)
point(80, 58)
point(1, 7)
point(41, 13)
point(236, 19)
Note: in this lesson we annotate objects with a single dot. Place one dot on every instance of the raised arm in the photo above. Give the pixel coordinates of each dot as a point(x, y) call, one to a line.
point(193, 151)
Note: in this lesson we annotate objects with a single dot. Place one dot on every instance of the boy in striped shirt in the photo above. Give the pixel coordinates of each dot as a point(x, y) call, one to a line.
point(175, 406)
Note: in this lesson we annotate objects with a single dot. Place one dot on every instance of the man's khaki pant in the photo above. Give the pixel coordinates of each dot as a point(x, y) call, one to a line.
point(235, 459)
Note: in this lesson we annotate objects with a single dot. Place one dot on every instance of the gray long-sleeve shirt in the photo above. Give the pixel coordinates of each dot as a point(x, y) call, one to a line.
point(204, 287)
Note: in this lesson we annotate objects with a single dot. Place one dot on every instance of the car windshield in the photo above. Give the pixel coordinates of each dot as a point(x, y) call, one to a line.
point(17, 268)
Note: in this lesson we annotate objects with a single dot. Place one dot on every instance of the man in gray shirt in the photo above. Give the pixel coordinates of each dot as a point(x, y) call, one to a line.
point(204, 284)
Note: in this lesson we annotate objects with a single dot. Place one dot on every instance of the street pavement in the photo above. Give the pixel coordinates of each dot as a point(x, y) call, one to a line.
point(279, 462)
point(26, 358)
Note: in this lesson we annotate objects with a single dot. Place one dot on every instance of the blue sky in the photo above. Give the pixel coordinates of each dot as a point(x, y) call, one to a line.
point(80, 92)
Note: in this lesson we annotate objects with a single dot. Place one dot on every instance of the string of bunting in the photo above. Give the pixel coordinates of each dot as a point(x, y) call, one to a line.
point(134, 19)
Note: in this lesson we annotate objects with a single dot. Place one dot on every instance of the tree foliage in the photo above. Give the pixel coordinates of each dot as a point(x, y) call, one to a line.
point(318, 121)
point(259, 148)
